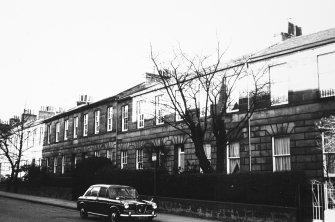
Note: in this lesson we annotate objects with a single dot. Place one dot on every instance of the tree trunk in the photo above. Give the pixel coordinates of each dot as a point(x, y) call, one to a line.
point(198, 141)
point(221, 150)
point(203, 161)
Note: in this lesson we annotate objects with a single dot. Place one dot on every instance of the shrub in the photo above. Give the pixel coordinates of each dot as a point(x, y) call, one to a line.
point(281, 189)
point(34, 175)
point(85, 171)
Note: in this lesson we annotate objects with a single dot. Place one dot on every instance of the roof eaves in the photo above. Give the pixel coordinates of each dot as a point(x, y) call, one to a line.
point(291, 50)
point(79, 108)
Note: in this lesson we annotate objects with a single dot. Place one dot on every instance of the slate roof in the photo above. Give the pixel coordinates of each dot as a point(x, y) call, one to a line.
point(296, 43)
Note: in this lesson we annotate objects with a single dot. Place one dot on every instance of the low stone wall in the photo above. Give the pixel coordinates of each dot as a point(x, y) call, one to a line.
point(226, 211)
point(44, 191)
point(222, 211)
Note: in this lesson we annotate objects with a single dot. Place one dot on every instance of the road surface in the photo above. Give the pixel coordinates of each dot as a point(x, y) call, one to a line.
point(12, 210)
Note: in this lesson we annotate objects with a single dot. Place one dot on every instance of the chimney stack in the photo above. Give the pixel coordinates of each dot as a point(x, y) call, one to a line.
point(83, 99)
point(28, 116)
point(46, 112)
point(292, 31)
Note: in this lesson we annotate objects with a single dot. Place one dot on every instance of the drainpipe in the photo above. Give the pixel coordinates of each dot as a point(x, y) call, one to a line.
point(116, 129)
point(249, 130)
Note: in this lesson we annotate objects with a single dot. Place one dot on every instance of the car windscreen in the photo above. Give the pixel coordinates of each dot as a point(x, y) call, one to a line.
point(123, 193)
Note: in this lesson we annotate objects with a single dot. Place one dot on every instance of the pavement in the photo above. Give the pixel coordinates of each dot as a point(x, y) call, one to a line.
point(42, 200)
point(73, 205)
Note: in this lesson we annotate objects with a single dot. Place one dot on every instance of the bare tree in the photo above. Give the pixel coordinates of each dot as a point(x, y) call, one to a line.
point(204, 93)
point(13, 135)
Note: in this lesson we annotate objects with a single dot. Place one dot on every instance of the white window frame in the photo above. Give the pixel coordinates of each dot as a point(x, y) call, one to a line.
point(325, 159)
point(55, 165)
point(66, 129)
point(97, 153)
point(110, 118)
point(27, 139)
point(85, 125)
point(208, 152)
point(34, 136)
point(111, 155)
point(47, 162)
point(283, 84)
point(324, 82)
point(63, 164)
point(158, 110)
point(57, 132)
point(41, 135)
point(275, 156)
point(140, 114)
point(124, 157)
point(232, 92)
point(233, 157)
point(139, 159)
point(75, 161)
point(125, 116)
point(75, 127)
point(49, 134)
point(97, 122)
point(181, 158)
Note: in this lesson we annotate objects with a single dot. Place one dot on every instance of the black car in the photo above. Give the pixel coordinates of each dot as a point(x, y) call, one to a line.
point(115, 202)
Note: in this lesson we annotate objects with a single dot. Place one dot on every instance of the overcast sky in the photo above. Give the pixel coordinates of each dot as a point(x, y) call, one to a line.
point(53, 51)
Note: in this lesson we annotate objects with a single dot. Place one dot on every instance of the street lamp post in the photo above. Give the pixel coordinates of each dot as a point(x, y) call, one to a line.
point(154, 159)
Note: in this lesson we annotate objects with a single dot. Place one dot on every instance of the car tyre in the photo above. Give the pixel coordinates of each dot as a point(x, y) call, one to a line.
point(83, 212)
point(114, 216)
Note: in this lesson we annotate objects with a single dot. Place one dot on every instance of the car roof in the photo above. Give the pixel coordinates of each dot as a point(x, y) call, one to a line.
point(111, 185)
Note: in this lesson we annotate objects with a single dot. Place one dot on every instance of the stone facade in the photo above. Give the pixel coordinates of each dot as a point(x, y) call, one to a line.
point(304, 103)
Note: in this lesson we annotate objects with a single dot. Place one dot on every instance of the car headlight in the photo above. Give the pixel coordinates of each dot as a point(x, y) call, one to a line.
point(126, 205)
point(154, 205)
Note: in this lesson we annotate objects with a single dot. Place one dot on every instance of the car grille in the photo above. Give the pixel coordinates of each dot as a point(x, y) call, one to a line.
point(141, 209)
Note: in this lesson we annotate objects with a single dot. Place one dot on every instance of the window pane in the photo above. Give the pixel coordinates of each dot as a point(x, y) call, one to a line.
point(283, 163)
point(208, 151)
point(331, 163)
point(326, 68)
point(233, 154)
point(279, 84)
point(234, 149)
point(282, 146)
point(124, 118)
point(102, 192)
point(281, 152)
point(181, 158)
point(234, 165)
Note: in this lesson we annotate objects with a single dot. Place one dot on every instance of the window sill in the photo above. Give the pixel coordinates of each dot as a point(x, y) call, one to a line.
point(233, 111)
point(280, 104)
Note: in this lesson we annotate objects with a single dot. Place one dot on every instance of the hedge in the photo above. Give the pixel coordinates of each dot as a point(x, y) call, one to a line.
point(280, 189)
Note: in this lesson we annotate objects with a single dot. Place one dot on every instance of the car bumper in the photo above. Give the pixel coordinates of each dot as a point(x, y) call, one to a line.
point(139, 215)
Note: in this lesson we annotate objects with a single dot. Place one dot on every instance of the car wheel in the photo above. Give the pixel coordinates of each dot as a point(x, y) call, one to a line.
point(83, 212)
point(114, 216)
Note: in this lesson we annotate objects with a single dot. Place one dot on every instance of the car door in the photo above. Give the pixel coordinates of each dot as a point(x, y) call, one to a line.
point(91, 200)
point(103, 201)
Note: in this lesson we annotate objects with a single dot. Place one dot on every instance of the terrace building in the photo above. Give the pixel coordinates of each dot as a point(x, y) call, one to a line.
point(32, 132)
point(280, 136)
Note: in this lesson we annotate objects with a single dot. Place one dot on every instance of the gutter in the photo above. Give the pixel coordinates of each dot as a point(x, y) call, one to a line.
point(291, 50)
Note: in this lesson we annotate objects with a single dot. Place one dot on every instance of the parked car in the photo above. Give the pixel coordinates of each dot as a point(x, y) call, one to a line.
point(115, 202)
